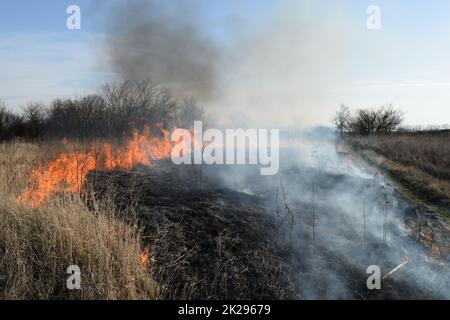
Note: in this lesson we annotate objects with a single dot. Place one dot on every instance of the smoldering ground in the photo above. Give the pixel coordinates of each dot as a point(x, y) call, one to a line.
point(339, 217)
point(310, 232)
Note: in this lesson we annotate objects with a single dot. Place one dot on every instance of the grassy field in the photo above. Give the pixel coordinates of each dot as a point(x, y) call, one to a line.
point(37, 245)
point(420, 162)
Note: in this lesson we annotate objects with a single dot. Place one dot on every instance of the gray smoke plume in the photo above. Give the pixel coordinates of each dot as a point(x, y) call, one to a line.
point(163, 40)
point(285, 73)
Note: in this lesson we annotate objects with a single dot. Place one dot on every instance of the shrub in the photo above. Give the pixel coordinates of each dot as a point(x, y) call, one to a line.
point(383, 120)
point(35, 117)
point(132, 104)
point(80, 117)
point(11, 125)
point(115, 110)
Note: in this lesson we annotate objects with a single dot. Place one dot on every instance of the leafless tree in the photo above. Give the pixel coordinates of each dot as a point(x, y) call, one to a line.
point(10, 124)
point(341, 119)
point(80, 117)
point(388, 119)
point(189, 112)
point(117, 109)
point(383, 120)
point(35, 116)
point(137, 103)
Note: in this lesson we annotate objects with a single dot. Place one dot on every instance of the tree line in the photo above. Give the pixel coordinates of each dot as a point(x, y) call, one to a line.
point(116, 109)
point(382, 120)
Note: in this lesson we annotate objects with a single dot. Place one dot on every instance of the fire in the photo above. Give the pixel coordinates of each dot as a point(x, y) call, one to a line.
point(144, 257)
point(67, 173)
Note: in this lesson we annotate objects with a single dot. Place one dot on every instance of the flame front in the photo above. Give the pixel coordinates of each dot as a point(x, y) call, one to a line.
point(144, 257)
point(67, 173)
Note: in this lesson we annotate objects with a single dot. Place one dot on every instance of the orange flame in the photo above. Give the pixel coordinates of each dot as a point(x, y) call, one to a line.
point(144, 257)
point(67, 173)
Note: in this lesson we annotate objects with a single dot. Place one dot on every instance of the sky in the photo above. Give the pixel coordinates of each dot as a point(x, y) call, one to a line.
point(298, 63)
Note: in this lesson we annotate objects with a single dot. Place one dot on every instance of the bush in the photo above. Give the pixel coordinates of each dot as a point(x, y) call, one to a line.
point(115, 110)
point(35, 117)
point(342, 119)
point(383, 120)
point(131, 105)
point(11, 125)
point(81, 117)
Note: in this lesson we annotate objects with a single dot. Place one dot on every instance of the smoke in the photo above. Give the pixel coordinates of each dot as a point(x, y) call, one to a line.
point(163, 40)
point(359, 220)
point(288, 72)
point(284, 73)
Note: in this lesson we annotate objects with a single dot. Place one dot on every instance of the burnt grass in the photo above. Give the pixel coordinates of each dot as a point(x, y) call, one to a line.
point(206, 241)
point(210, 241)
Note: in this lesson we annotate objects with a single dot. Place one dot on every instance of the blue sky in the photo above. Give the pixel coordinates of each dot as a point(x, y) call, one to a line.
point(407, 62)
point(41, 59)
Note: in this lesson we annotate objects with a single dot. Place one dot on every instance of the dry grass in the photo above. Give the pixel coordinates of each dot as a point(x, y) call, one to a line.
point(427, 152)
point(37, 245)
point(419, 162)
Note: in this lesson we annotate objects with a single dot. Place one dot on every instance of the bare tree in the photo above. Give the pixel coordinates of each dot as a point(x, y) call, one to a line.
point(117, 109)
point(35, 116)
point(189, 112)
point(137, 103)
point(383, 120)
point(364, 122)
point(11, 125)
point(388, 119)
point(341, 119)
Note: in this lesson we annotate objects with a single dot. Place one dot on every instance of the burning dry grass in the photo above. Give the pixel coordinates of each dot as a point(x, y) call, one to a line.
point(37, 245)
point(67, 173)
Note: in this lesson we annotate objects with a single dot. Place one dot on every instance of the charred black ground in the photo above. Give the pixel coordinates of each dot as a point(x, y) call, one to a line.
point(207, 241)
point(210, 240)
